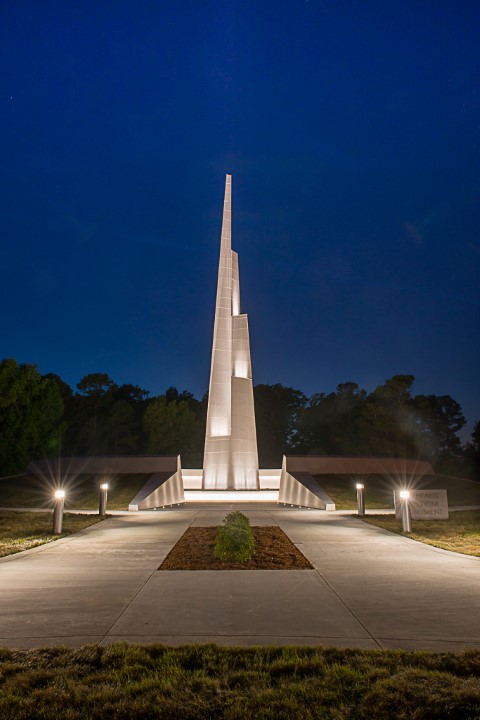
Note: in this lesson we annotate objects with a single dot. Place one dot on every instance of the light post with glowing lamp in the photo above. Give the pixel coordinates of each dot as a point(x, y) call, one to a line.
point(102, 509)
point(406, 519)
point(58, 512)
point(360, 499)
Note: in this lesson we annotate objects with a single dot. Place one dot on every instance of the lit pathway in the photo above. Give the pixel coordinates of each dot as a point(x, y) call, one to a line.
point(369, 588)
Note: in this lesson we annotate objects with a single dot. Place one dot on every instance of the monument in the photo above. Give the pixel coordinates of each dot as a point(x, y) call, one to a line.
point(230, 458)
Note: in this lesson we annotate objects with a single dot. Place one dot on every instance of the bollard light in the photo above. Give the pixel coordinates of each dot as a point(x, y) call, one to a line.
point(102, 508)
point(406, 518)
point(58, 512)
point(360, 499)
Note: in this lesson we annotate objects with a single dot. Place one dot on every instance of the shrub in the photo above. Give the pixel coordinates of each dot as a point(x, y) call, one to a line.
point(237, 518)
point(234, 541)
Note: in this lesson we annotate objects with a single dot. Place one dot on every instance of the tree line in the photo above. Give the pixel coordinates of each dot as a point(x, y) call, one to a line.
point(42, 416)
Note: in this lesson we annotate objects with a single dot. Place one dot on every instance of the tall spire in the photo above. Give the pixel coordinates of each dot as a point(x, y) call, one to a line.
point(230, 459)
point(226, 239)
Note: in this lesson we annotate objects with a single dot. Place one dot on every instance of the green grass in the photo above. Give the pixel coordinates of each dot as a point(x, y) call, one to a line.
point(82, 491)
point(379, 490)
point(341, 488)
point(24, 530)
point(460, 533)
point(202, 682)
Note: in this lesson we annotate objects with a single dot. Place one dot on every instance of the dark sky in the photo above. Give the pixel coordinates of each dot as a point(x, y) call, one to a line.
point(351, 131)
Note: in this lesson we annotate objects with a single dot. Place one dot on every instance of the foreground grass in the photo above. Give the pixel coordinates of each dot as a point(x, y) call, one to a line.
point(200, 682)
point(461, 533)
point(24, 530)
point(379, 490)
point(82, 491)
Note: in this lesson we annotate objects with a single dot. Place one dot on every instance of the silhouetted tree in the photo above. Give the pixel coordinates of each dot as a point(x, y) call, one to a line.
point(277, 416)
point(93, 402)
point(171, 428)
point(439, 418)
point(31, 411)
point(385, 423)
point(103, 417)
point(473, 451)
point(329, 424)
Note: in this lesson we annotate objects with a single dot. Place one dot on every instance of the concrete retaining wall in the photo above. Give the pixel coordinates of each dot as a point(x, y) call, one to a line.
point(104, 465)
point(324, 465)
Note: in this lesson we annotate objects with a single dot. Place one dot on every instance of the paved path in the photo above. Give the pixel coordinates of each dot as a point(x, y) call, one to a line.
point(369, 588)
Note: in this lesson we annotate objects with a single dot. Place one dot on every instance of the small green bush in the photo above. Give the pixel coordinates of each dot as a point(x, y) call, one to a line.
point(237, 518)
point(234, 541)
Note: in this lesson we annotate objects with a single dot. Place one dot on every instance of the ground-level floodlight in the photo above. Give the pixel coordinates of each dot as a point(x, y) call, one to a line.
point(58, 512)
point(406, 519)
point(102, 508)
point(360, 499)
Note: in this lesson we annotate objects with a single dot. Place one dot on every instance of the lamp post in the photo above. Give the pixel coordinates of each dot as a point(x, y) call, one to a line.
point(102, 509)
point(58, 512)
point(360, 499)
point(406, 519)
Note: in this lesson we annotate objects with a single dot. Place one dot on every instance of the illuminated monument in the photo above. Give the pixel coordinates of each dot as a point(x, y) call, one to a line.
point(231, 458)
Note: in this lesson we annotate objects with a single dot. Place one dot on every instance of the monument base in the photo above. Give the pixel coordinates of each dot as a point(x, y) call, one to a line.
point(230, 496)
point(268, 480)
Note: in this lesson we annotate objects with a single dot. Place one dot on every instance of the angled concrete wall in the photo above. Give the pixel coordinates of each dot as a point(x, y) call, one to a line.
point(161, 490)
point(301, 489)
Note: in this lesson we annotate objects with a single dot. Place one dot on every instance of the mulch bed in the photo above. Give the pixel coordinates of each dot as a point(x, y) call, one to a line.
point(274, 551)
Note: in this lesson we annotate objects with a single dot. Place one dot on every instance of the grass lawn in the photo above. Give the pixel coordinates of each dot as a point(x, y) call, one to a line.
point(201, 682)
point(24, 530)
point(379, 490)
point(460, 533)
point(341, 488)
point(82, 491)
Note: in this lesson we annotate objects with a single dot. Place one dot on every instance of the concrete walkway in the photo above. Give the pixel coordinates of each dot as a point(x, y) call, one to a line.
point(369, 588)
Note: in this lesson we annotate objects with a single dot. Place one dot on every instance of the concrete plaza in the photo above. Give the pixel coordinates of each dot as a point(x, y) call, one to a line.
point(369, 588)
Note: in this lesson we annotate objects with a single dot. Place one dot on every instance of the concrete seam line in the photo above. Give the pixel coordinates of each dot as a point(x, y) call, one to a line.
point(334, 592)
point(242, 636)
point(128, 605)
point(141, 588)
point(428, 639)
point(346, 606)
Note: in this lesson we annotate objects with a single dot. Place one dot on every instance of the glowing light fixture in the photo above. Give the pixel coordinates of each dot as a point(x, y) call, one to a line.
point(406, 517)
point(102, 505)
point(360, 499)
point(58, 512)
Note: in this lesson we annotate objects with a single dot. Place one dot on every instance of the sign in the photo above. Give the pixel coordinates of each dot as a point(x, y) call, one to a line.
point(424, 505)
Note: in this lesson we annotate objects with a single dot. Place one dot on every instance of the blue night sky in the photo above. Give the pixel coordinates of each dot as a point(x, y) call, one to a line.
point(351, 132)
